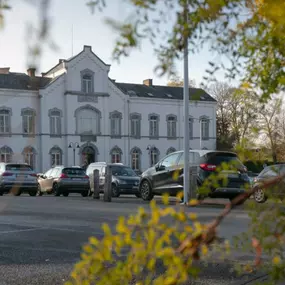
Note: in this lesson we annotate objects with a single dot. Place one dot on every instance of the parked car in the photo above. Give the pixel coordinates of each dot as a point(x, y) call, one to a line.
point(260, 196)
point(159, 178)
point(18, 178)
point(64, 180)
point(124, 179)
point(252, 176)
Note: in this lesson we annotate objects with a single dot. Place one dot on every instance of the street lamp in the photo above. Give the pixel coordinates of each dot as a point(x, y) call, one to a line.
point(74, 146)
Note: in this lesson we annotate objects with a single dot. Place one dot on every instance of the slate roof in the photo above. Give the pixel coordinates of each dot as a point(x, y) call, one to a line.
point(163, 92)
point(22, 81)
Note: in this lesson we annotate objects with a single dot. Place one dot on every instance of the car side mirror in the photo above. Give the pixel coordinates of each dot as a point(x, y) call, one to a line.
point(159, 167)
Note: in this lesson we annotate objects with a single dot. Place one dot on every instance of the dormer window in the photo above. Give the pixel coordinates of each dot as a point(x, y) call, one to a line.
point(87, 81)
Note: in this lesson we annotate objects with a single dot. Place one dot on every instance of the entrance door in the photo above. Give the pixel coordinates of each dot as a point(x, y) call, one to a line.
point(88, 155)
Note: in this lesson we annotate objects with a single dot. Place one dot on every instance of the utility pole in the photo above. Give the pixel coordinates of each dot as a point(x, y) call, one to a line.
point(186, 113)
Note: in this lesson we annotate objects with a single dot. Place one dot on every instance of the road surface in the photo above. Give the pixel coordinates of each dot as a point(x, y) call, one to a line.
point(41, 237)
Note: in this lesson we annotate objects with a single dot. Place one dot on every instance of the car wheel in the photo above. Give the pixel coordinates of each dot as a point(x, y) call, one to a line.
point(85, 194)
point(39, 192)
point(55, 190)
point(65, 194)
point(259, 196)
point(16, 192)
point(33, 193)
point(115, 191)
point(146, 191)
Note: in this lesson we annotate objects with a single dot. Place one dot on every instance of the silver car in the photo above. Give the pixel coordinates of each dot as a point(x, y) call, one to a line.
point(17, 178)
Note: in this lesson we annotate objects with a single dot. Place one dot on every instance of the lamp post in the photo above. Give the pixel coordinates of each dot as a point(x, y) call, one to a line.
point(74, 146)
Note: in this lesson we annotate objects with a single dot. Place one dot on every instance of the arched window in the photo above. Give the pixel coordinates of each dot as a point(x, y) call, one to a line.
point(55, 121)
point(29, 121)
point(116, 125)
point(170, 150)
point(204, 127)
point(55, 156)
point(5, 120)
point(136, 158)
point(87, 120)
point(116, 155)
point(154, 156)
point(87, 81)
point(171, 126)
point(29, 156)
point(6, 154)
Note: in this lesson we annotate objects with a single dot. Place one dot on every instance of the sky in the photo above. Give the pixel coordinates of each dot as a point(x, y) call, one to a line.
point(88, 29)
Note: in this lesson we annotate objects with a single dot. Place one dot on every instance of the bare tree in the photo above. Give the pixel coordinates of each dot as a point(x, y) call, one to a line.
point(272, 125)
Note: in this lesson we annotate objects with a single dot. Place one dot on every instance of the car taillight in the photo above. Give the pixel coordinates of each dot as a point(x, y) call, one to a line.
point(86, 177)
point(208, 167)
point(7, 174)
point(33, 174)
point(63, 176)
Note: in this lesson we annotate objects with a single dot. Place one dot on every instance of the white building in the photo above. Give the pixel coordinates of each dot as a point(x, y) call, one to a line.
point(76, 103)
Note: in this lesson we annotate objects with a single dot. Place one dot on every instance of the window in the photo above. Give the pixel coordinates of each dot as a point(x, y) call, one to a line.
point(153, 126)
point(5, 120)
point(204, 132)
point(6, 154)
point(170, 160)
point(87, 81)
point(154, 156)
point(87, 120)
point(28, 121)
point(29, 156)
point(170, 150)
point(55, 122)
point(116, 155)
point(191, 122)
point(18, 167)
point(136, 158)
point(135, 125)
point(123, 171)
point(171, 126)
point(56, 156)
point(115, 118)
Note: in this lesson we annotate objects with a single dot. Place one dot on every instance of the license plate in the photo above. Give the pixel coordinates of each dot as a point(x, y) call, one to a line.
point(77, 179)
point(21, 176)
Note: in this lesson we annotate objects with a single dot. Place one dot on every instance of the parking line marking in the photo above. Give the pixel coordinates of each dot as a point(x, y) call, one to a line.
point(18, 231)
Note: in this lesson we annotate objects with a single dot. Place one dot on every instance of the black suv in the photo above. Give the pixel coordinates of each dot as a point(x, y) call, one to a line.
point(160, 178)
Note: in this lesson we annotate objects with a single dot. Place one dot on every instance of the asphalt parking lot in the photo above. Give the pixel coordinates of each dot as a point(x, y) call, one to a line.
point(41, 237)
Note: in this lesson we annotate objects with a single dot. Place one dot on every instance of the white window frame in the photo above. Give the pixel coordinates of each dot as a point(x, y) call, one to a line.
point(5, 117)
point(154, 156)
point(116, 155)
point(29, 122)
point(135, 130)
point(115, 124)
point(55, 156)
point(29, 157)
point(136, 159)
point(171, 126)
point(153, 126)
point(205, 128)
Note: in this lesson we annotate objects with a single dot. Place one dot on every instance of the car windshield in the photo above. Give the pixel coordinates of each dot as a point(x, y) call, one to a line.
point(18, 167)
point(74, 171)
point(122, 171)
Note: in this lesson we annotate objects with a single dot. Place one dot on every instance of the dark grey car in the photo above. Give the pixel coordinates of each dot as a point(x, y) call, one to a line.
point(17, 178)
point(64, 180)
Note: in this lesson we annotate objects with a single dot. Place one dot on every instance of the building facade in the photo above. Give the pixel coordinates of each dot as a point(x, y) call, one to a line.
point(74, 114)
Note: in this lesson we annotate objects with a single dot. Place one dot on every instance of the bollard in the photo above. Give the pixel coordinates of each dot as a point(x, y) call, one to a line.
point(96, 189)
point(108, 184)
point(192, 194)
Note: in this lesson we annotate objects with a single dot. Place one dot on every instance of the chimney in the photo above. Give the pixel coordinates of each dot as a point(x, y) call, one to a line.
point(4, 70)
point(147, 82)
point(31, 72)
